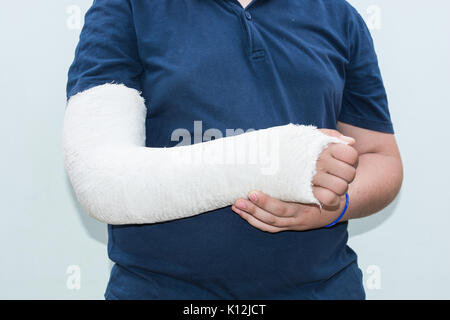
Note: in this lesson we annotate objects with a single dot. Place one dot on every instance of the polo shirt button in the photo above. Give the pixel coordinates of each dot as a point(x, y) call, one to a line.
point(248, 15)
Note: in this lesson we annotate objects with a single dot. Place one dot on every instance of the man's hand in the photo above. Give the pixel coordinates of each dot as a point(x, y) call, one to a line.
point(273, 215)
point(335, 170)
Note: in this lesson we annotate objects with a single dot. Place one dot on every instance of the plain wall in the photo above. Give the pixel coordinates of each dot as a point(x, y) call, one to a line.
point(404, 251)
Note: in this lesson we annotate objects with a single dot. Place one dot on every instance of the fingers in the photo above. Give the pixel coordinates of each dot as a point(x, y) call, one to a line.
point(266, 213)
point(297, 216)
point(263, 215)
point(345, 153)
point(272, 205)
point(336, 169)
point(340, 169)
point(252, 220)
point(326, 197)
point(331, 182)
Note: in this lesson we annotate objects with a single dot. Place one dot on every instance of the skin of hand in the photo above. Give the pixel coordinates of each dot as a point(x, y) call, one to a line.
point(360, 168)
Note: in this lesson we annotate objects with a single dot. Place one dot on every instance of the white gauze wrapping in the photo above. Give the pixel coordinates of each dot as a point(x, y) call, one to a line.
point(118, 180)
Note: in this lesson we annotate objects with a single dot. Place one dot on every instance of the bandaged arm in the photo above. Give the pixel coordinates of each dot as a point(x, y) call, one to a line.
point(118, 180)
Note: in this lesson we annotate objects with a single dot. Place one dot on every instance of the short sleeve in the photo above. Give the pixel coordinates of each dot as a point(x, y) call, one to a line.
point(364, 102)
point(107, 49)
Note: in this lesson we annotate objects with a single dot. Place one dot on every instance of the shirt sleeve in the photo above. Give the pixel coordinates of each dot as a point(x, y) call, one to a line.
point(107, 49)
point(364, 102)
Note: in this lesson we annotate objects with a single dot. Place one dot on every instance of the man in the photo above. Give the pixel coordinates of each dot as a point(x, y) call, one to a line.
point(265, 65)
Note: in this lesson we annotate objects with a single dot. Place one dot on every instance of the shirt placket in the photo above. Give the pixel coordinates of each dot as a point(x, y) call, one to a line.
point(254, 48)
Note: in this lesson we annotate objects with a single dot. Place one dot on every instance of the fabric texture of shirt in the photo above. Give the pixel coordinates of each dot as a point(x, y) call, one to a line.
point(211, 64)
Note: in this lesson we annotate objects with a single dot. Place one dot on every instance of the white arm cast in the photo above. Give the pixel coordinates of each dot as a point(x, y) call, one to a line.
point(118, 180)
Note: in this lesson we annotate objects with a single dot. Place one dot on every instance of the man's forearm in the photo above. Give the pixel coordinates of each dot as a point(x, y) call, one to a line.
point(377, 183)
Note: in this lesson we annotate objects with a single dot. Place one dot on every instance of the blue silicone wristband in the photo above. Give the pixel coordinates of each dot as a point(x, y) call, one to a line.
point(341, 215)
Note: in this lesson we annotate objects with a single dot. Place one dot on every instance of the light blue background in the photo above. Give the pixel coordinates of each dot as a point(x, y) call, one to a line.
point(44, 231)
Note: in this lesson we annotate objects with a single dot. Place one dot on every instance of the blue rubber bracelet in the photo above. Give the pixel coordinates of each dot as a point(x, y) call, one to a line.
point(341, 215)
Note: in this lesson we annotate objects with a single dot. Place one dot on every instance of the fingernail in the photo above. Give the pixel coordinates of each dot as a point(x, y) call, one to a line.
point(348, 139)
point(240, 204)
point(253, 196)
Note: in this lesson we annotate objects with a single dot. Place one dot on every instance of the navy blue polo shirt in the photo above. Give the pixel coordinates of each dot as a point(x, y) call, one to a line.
point(221, 66)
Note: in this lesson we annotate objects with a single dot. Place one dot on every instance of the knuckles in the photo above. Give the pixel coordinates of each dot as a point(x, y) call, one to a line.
point(352, 174)
point(342, 187)
point(327, 197)
point(345, 153)
point(331, 201)
point(272, 220)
